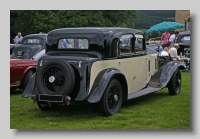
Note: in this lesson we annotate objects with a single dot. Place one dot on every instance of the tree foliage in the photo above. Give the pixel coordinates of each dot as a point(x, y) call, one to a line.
point(148, 18)
point(97, 18)
point(34, 21)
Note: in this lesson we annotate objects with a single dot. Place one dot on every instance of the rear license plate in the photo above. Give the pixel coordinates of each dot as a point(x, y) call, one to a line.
point(51, 98)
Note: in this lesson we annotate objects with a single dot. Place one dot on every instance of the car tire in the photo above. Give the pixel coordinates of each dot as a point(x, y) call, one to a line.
point(44, 106)
point(26, 79)
point(174, 85)
point(63, 74)
point(111, 100)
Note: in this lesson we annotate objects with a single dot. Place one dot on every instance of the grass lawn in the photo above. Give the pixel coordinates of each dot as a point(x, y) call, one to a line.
point(158, 110)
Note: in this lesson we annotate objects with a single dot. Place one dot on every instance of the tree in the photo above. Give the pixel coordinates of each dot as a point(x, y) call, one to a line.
point(35, 21)
point(97, 18)
point(13, 16)
point(78, 18)
point(120, 18)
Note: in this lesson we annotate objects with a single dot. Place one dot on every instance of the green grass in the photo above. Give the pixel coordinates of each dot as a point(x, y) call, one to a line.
point(158, 110)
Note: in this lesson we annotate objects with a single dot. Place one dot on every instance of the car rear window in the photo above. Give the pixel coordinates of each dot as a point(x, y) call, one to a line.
point(30, 41)
point(186, 38)
point(71, 43)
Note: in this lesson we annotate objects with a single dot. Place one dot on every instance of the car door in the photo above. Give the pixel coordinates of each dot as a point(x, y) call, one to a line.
point(141, 65)
point(126, 59)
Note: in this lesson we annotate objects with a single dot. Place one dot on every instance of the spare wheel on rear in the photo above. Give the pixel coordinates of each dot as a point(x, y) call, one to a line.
point(55, 77)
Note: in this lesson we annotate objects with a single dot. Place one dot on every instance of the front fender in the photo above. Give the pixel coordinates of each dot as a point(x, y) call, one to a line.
point(163, 76)
point(169, 70)
point(27, 69)
point(101, 82)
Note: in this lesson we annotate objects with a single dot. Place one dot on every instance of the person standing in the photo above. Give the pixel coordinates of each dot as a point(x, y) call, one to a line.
point(173, 37)
point(18, 38)
point(164, 39)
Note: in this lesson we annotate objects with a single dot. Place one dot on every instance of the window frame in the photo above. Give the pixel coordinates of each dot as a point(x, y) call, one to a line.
point(143, 43)
point(75, 43)
point(131, 44)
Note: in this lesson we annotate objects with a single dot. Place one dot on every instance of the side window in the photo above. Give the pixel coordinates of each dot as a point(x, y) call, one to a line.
point(138, 43)
point(125, 45)
point(185, 38)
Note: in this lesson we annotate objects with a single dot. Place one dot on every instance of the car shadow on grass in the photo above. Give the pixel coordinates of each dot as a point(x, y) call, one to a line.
point(15, 92)
point(88, 110)
point(74, 110)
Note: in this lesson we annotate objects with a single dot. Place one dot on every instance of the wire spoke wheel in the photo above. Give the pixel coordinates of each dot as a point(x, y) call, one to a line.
point(174, 85)
point(111, 100)
point(177, 82)
point(113, 97)
point(54, 79)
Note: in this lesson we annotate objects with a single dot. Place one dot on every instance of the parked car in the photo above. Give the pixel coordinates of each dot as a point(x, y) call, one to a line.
point(101, 69)
point(32, 47)
point(12, 46)
point(154, 43)
point(21, 71)
point(151, 51)
point(183, 40)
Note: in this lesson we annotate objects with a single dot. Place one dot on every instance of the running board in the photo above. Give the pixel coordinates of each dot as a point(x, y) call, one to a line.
point(144, 91)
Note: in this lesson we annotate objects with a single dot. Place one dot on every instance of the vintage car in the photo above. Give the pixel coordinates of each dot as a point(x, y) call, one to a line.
point(183, 40)
point(12, 47)
point(100, 65)
point(31, 47)
point(21, 71)
point(153, 43)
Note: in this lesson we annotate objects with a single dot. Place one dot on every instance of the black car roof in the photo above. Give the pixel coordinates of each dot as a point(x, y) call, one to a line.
point(184, 33)
point(94, 30)
point(38, 35)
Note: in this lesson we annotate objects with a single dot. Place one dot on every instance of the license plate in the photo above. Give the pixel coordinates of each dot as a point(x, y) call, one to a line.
point(51, 98)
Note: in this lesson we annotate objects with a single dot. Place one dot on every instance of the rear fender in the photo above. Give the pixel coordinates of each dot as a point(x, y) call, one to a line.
point(101, 82)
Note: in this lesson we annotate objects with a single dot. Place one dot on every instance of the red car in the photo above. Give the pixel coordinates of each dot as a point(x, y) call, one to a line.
point(21, 71)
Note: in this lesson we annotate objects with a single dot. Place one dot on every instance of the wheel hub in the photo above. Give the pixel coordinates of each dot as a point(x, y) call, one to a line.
point(115, 98)
point(52, 79)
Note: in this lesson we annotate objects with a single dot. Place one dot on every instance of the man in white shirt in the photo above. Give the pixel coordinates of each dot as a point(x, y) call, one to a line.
point(173, 37)
point(173, 52)
point(18, 38)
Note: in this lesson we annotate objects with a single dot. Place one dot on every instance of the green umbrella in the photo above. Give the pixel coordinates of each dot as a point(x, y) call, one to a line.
point(163, 26)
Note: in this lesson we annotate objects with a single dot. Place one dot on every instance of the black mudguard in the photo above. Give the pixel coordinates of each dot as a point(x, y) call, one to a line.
point(163, 76)
point(101, 82)
point(28, 91)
